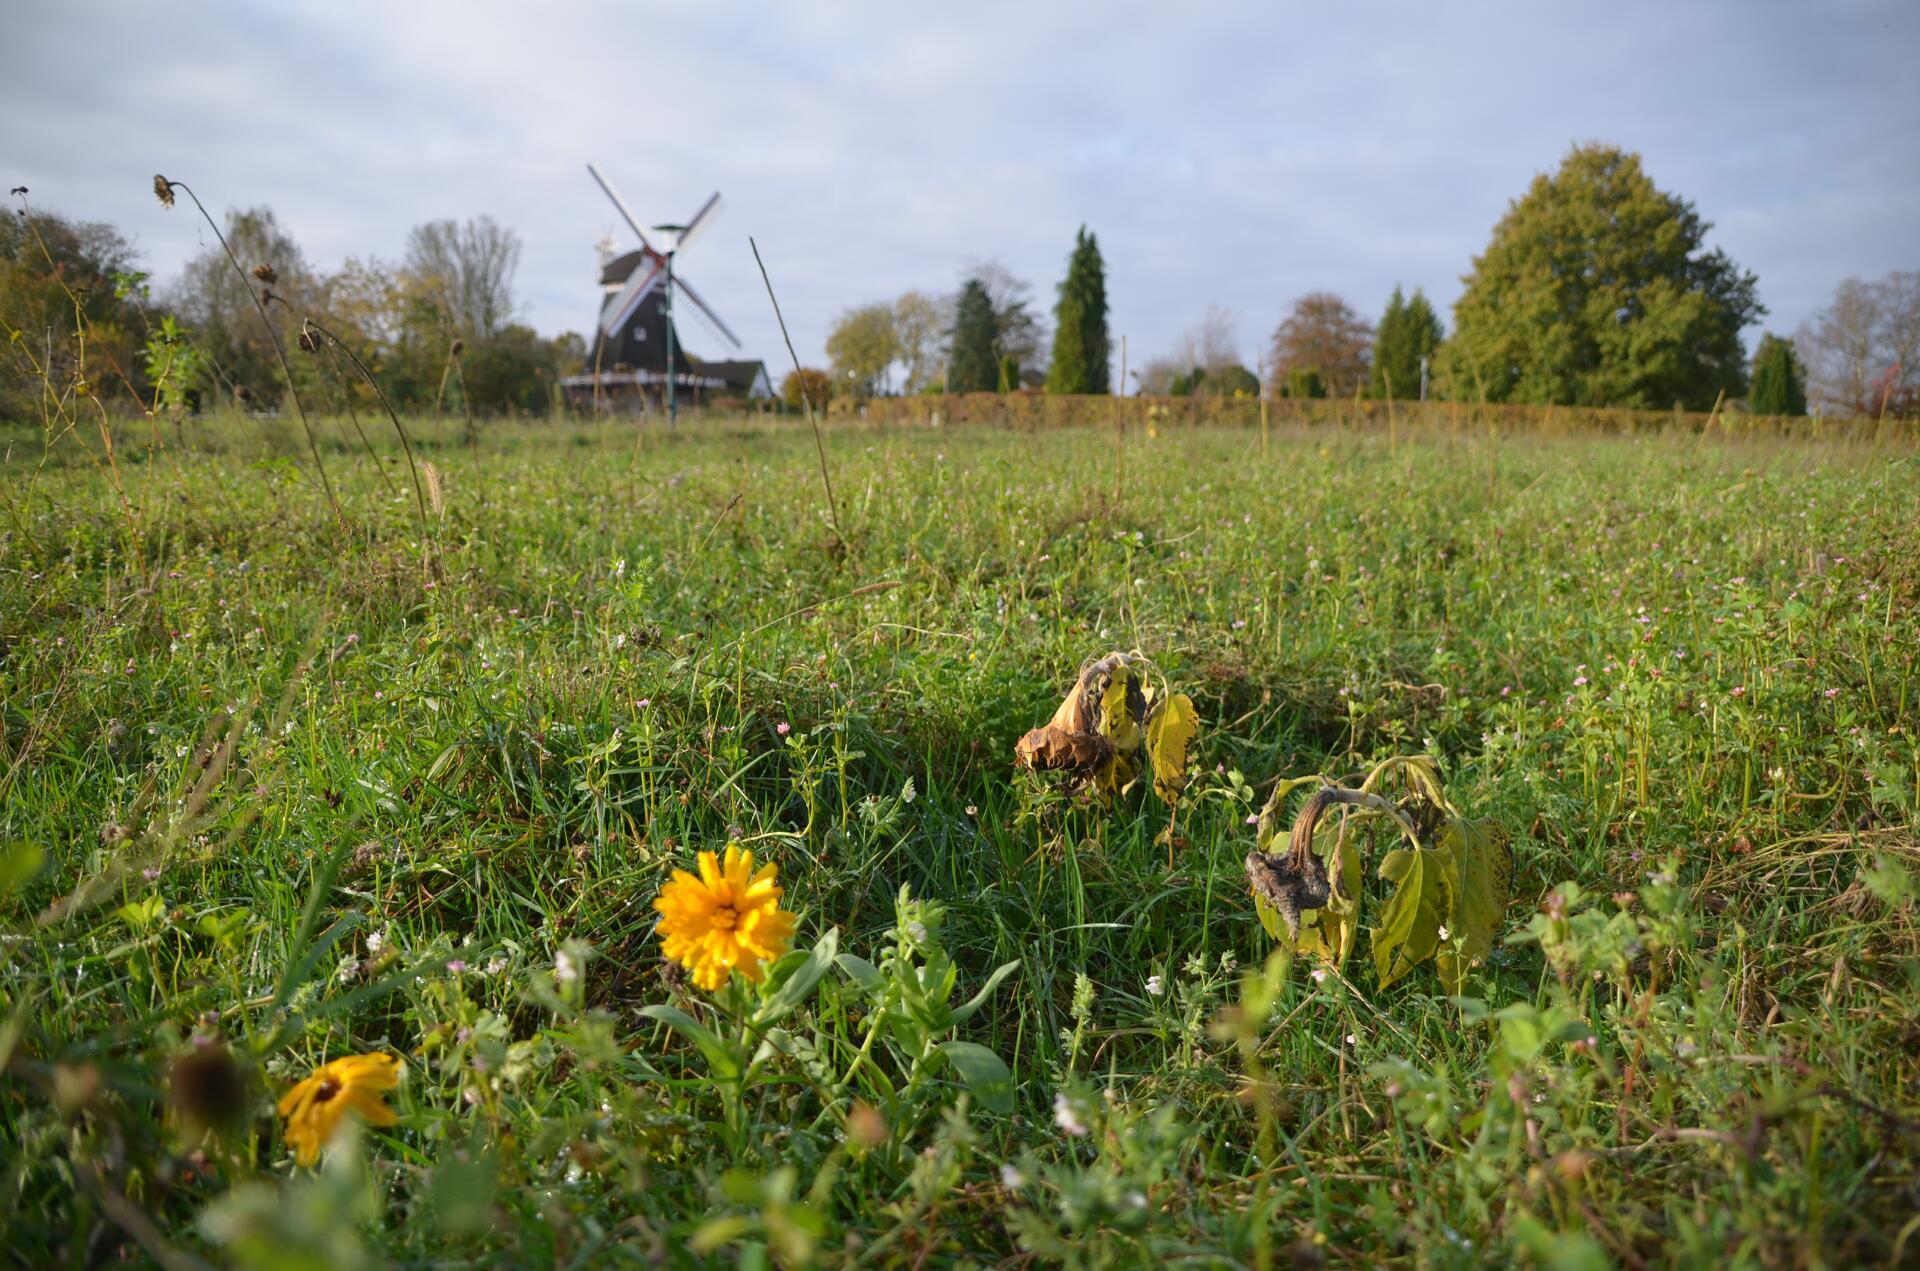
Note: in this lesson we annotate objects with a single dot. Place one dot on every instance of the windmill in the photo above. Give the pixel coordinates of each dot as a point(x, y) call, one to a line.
point(641, 285)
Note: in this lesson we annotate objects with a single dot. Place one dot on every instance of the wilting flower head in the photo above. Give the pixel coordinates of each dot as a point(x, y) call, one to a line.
point(266, 274)
point(727, 919)
point(314, 1107)
point(163, 190)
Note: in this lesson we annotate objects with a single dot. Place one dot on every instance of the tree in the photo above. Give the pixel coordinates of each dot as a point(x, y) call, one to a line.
point(46, 263)
point(1779, 385)
point(216, 303)
point(863, 345)
point(1408, 332)
point(1303, 381)
point(804, 386)
point(1597, 290)
point(920, 325)
point(1081, 349)
point(1322, 333)
point(1221, 381)
point(973, 363)
point(1018, 332)
point(470, 269)
point(509, 373)
point(1862, 352)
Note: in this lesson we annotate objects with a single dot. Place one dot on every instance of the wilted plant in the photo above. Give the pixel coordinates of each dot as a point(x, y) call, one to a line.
point(1119, 704)
point(1450, 881)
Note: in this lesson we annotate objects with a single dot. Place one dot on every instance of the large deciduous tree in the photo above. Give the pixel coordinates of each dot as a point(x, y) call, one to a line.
point(1019, 333)
point(920, 324)
point(1598, 290)
point(1862, 352)
point(1779, 387)
point(469, 268)
point(1409, 332)
point(47, 263)
point(863, 344)
point(1322, 333)
point(1081, 349)
point(214, 300)
point(973, 363)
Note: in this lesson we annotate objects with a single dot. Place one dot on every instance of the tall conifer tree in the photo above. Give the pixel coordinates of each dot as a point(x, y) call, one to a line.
point(1409, 331)
point(1081, 347)
point(1779, 384)
point(974, 365)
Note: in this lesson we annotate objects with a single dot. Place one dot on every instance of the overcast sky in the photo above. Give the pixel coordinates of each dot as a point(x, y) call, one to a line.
point(1238, 154)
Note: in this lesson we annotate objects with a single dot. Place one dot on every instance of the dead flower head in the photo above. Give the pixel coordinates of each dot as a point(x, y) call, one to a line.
point(206, 1089)
point(163, 190)
point(266, 274)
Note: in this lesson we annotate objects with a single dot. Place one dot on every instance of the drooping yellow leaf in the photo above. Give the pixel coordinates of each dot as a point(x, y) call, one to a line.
point(1121, 706)
point(1170, 731)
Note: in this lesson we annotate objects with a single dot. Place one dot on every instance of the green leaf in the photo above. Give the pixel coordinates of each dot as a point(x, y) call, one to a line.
point(18, 864)
point(979, 999)
point(1410, 921)
point(141, 914)
point(799, 984)
point(1269, 918)
point(984, 1072)
point(1170, 731)
point(1484, 862)
point(862, 972)
point(721, 1061)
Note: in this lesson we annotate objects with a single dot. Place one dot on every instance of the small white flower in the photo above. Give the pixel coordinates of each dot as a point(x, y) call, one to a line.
point(1352, 1040)
point(1443, 935)
point(1319, 975)
point(918, 932)
point(565, 969)
point(1011, 1178)
point(375, 943)
point(348, 969)
point(1067, 1119)
point(1155, 987)
point(496, 965)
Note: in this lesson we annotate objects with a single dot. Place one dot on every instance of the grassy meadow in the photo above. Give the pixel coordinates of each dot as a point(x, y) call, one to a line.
point(283, 784)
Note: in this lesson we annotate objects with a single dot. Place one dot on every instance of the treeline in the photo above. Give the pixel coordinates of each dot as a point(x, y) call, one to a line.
point(437, 329)
point(1596, 289)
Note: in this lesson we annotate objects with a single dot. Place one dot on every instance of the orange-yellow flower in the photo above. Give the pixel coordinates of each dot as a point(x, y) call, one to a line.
point(728, 919)
point(314, 1107)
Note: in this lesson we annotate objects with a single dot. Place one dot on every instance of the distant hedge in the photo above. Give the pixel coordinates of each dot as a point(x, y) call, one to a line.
point(1033, 411)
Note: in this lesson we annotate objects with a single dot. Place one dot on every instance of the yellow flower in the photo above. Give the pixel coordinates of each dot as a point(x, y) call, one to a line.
point(314, 1107)
point(728, 919)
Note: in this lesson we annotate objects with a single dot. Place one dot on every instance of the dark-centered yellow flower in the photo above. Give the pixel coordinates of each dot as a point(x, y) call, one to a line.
point(354, 1084)
point(728, 919)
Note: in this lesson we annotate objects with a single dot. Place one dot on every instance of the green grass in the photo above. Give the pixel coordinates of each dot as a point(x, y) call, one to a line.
point(243, 734)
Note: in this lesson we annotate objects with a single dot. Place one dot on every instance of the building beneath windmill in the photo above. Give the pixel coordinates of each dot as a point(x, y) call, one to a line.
point(627, 371)
point(627, 368)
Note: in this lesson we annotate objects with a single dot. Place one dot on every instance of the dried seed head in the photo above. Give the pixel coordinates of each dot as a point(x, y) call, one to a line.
point(309, 341)
point(242, 392)
point(163, 190)
point(205, 1088)
point(19, 190)
point(459, 347)
point(266, 274)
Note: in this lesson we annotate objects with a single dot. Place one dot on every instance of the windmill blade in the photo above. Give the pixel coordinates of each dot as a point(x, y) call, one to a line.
point(646, 276)
point(706, 310)
point(701, 219)
point(619, 204)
